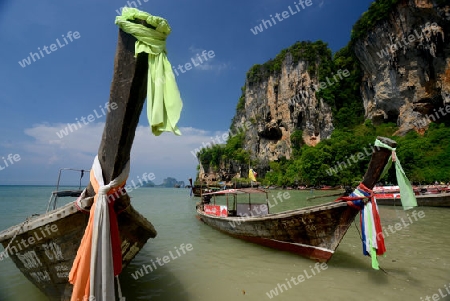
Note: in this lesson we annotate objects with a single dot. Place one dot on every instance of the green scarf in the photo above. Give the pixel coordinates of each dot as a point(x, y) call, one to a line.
point(163, 98)
point(406, 192)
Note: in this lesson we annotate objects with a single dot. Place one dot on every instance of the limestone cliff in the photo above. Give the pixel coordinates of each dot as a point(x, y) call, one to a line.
point(402, 49)
point(279, 98)
point(406, 62)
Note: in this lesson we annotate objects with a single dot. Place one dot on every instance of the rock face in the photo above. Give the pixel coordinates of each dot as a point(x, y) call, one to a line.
point(405, 58)
point(279, 104)
point(406, 64)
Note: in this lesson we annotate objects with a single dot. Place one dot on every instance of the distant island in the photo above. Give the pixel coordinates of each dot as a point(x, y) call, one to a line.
point(167, 183)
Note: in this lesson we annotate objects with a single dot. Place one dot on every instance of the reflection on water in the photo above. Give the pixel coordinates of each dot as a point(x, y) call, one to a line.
point(417, 261)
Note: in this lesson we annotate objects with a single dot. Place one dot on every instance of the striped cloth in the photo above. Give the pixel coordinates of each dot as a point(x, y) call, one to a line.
point(99, 256)
point(371, 230)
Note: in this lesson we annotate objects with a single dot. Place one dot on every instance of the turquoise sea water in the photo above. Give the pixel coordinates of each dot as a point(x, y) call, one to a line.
point(218, 267)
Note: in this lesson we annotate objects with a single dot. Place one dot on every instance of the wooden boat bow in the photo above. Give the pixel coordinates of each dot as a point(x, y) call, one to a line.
point(47, 262)
point(377, 163)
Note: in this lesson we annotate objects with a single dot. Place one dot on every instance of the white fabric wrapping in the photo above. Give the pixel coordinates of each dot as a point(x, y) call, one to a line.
point(368, 214)
point(366, 232)
point(102, 267)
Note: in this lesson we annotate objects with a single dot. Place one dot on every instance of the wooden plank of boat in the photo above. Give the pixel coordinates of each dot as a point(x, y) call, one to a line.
point(66, 193)
point(44, 247)
point(313, 232)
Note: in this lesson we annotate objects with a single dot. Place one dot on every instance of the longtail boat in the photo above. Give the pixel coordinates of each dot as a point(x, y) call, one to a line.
point(44, 246)
point(390, 196)
point(313, 232)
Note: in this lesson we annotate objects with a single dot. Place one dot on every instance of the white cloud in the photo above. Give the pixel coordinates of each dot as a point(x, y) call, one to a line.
point(214, 67)
point(165, 155)
point(211, 64)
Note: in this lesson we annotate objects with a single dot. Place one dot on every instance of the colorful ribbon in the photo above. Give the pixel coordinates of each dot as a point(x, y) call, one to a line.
point(163, 97)
point(99, 256)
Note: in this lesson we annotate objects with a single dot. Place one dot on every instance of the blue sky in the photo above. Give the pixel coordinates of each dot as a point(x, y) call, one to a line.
point(38, 100)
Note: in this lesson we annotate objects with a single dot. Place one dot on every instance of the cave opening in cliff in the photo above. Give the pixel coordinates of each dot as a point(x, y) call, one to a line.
point(275, 91)
point(392, 117)
point(389, 117)
point(299, 119)
point(268, 117)
point(435, 110)
point(271, 133)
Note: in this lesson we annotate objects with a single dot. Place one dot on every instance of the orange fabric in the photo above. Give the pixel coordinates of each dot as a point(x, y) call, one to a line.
point(79, 275)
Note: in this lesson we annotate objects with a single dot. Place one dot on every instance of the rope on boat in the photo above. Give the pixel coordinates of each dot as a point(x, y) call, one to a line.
point(5, 251)
point(115, 196)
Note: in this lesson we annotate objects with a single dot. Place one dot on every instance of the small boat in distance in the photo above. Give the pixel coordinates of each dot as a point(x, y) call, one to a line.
point(199, 191)
point(431, 196)
point(313, 232)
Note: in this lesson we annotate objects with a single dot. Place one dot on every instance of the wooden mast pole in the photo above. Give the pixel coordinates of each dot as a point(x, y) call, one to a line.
point(376, 165)
point(127, 96)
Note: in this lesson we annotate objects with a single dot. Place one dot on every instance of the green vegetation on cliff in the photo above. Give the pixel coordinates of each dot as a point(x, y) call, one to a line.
point(344, 158)
point(377, 11)
point(316, 54)
point(424, 158)
point(320, 63)
point(231, 151)
point(241, 103)
point(344, 96)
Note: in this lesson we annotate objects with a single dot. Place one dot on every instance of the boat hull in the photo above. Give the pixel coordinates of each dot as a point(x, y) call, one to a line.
point(56, 237)
point(313, 232)
point(430, 200)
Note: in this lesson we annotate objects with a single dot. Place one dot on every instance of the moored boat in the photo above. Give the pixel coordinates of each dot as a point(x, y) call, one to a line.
point(198, 191)
point(314, 232)
point(44, 247)
point(431, 196)
point(90, 240)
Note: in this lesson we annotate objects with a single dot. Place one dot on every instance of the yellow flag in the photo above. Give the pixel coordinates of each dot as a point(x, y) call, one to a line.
point(251, 175)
